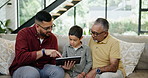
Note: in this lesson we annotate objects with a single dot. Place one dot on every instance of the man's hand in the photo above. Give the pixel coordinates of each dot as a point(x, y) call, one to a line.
point(68, 65)
point(91, 74)
point(48, 52)
point(52, 53)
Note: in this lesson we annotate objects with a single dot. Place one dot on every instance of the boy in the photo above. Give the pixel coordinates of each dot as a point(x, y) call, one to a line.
point(76, 48)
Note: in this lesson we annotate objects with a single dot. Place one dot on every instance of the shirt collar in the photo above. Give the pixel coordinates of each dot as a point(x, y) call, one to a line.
point(82, 45)
point(105, 40)
point(34, 30)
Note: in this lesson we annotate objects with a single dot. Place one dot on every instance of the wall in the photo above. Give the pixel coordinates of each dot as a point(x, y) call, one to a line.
point(2, 10)
point(9, 12)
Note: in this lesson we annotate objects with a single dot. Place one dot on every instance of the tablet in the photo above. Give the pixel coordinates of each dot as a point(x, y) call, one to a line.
point(61, 61)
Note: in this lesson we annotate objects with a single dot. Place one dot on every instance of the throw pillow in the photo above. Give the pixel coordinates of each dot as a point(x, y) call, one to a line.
point(130, 53)
point(6, 55)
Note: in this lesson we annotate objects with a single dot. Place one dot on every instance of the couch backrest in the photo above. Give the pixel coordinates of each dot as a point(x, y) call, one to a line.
point(8, 36)
point(143, 63)
point(63, 40)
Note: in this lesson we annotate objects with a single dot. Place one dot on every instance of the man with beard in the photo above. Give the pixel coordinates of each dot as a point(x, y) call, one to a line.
point(35, 50)
point(105, 52)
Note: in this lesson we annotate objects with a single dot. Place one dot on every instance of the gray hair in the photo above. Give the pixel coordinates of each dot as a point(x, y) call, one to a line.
point(103, 23)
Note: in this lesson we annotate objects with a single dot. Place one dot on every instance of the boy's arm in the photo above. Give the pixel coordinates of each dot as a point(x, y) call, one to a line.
point(88, 60)
point(64, 53)
point(67, 65)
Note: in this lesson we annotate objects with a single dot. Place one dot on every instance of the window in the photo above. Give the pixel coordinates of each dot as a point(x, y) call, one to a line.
point(124, 16)
point(28, 8)
point(121, 14)
point(143, 17)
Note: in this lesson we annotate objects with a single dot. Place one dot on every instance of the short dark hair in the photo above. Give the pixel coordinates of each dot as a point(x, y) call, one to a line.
point(43, 16)
point(103, 22)
point(76, 31)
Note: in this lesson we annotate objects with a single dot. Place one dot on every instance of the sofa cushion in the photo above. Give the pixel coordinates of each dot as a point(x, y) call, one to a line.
point(130, 53)
point(5, 76)
point(6, 54)
point(62, 41)
point(143, 63)
point(139, 74)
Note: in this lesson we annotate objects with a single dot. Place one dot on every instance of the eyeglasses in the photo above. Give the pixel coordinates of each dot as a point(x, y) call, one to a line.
point(46, 28)
point(96, 33)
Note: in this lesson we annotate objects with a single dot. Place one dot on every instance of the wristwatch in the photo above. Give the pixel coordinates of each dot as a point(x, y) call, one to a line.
point(98, 71)
point(43, 52)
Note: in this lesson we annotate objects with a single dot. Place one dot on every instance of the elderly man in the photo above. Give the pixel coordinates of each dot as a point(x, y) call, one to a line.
point(105, 52)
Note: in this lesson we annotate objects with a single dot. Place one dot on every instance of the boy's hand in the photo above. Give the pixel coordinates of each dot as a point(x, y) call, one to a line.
point(68, 65)
point(82, 75)
point(91, 74)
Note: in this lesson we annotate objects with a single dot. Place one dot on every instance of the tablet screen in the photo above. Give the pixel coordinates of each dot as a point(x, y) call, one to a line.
point(61, 61)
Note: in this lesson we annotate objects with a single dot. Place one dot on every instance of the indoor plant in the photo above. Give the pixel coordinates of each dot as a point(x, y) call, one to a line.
point(4, 26)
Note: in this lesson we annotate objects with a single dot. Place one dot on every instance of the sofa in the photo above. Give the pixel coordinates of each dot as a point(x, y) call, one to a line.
point(137, 63)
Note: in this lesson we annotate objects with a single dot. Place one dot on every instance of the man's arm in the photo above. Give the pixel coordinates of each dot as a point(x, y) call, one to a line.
point(48, 52)
point(114, 59)
point(114, 63)
point(22, 53)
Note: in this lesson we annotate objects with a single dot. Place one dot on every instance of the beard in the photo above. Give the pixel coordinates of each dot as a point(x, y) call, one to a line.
point(47, 34)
